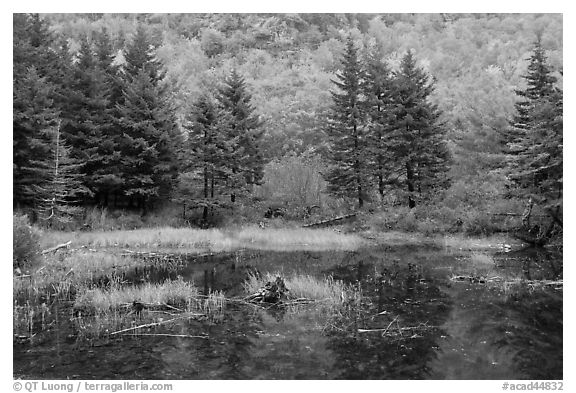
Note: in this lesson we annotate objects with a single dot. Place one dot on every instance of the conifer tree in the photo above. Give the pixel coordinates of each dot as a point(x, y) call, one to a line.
point(150, 134)
point(58, 194)
point(207, 153)
point(246, 159)
point(534, 142)
point(417, 143)
point(379, 91)
point(540, 84)
point(33, 112)
point(348, 175)
point(87, 118)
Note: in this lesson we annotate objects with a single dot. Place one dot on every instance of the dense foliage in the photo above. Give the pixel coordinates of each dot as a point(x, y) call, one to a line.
point(456, 110)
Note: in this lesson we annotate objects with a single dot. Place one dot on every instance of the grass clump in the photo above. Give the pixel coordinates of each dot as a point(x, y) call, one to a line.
point(328, 291)
point(178, 293)
point(62, 275)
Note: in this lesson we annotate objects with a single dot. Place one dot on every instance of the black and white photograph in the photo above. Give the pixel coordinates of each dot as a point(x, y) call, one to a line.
point(287, 196)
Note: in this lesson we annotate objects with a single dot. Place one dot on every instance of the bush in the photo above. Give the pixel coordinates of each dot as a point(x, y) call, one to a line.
point(26, 243)
point(479, 223)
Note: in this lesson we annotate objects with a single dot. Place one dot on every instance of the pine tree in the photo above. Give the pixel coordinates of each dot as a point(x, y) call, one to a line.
point(106, 178)
point(534, 142)
point(149, 137)
point(207, 153)
point(60, 191)
point(379, 91)
point(140, 56)
point(247, 160)
point(540, 84)
point(148, 161)
point(87, 117)
point(349, 173)
point(417, 143)
point(33, 113)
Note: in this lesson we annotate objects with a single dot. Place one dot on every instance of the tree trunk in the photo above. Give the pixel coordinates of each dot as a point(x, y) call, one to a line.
point(410, 183)
point(357, 168)
point(212, 192)
point(205, 211)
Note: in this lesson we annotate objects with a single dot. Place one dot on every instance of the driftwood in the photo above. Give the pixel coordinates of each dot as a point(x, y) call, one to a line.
point(398, 331)
point(556, 284)
point(272, 292)
point(168, 335)
point(156, 323)
point(330, 221)
point(55, 248)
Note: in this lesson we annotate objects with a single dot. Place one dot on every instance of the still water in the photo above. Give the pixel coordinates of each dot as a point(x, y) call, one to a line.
point(436, 327)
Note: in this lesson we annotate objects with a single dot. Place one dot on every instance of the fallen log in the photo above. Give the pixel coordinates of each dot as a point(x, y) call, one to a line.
point(55, 248)
point(330, 221)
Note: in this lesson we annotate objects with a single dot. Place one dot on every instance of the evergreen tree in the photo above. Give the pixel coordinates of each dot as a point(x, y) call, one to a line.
point(40, 42)
point(33, 113)
point(207, 153)
point(60, 191)
point(150, 134)
point(147, 146)
point(379, 91)
point(87, 116)
point(247, 159)
point(349, 173)
point(417, 143)
point(540, 84)
point(140, 56)
point(534, 142)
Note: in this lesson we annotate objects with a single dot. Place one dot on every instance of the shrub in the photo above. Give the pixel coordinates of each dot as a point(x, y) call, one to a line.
point(26, 243)
point(479, 223)
point(97, 219)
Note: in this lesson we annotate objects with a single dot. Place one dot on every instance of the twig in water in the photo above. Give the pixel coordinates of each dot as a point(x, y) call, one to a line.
point(168, 335)
point(156, 323)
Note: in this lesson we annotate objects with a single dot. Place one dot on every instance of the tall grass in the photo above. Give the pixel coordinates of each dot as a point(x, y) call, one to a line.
point(177, 293)
point(208, 240)
point(328, 291)
point(59, 275)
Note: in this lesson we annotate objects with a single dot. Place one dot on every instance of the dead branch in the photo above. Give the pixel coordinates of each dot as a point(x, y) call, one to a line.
point(55, 248)
point(156, 323)
point(330, 221)
point(168, 335)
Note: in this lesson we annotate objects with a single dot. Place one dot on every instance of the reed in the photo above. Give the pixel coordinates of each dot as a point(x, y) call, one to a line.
point(178, 294)
point(214, 240)
point(326, 291)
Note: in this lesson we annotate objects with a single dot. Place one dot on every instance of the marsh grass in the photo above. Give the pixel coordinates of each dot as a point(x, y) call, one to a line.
point(178, 293)
point(60, 276)
point(326, 291)
point(198, 240)
point(103, 311)
point(30, 318)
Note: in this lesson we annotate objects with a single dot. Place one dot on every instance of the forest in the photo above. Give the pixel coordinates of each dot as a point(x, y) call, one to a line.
point(432, 123)
point(288, 196)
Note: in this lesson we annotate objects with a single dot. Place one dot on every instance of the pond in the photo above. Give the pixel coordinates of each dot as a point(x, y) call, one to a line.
point(425, 313)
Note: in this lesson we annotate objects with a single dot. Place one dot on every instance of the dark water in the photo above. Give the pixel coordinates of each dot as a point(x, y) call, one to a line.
point(435, 328)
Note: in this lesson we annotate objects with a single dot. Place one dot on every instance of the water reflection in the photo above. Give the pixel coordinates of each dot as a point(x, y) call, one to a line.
point(412, 322)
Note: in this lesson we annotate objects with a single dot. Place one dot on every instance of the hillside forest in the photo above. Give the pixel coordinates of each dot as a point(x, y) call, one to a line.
point(416, 122)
